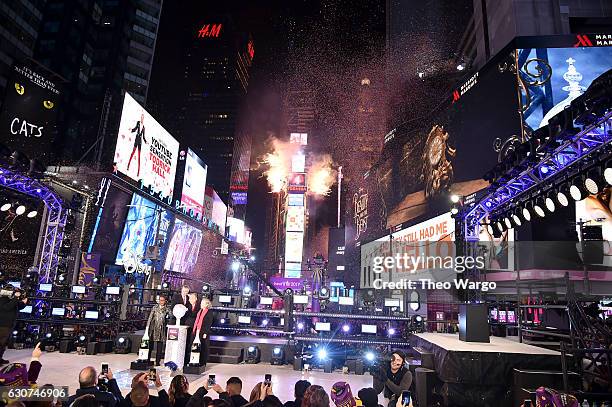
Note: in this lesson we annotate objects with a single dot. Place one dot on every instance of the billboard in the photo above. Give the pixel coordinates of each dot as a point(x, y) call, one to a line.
point(294, 246)
point(297, 182)
point(183, 248)
point(219, 212)
point(239, 198)
point(145, 151)
point(296, 200)
point(295, 218)
point(113, 205)
point(550, 78)
point(336, 264)
point(236, 230)
point(140, 228)
point(194, 183)
point(29, 113)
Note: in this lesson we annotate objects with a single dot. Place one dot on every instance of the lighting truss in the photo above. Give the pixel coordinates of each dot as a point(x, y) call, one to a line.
point(55, 222)
point(589, 140)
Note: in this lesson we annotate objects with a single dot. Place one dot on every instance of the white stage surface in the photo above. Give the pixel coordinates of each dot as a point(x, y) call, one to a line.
point(63, 369)
point(452, 343)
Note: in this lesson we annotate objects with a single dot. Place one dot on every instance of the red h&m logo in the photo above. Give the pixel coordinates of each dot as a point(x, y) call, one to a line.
point(456, 96)
point(583, 41)
point(210, 31)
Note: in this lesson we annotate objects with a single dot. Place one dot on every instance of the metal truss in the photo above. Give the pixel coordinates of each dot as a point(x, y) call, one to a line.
point(589, 140)
point(55, 222)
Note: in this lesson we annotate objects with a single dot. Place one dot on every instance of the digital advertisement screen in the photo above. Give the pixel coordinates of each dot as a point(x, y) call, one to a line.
point(29, 112)
point(139, 231)
point(553, 77)
point(58, 312)
point(236, 229)
point(194, 183)
point(239, 198)
point(45, 287)
point(145, 150)
point(322, 326)
point(368, 329)
point(265, 300)
point(296, 199)
point(295, 218)
point(184, 247)
point(294, 246)
point(219, 212)
point(112, 290)
point(78, 289)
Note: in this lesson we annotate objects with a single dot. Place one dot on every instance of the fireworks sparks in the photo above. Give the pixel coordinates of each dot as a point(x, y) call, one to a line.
point(321, 176)
point(279, 164)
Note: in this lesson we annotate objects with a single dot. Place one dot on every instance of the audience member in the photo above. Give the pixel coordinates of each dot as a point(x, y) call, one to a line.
point(88, 384)
point(393, 378)
point(139, 395)
point(255, 394)
point(178, 393)
point(233, 388)
point(342, 396)
point(298, 393)
point(18, 375)
point(368, 397)
point(315, 396)
point(86, 400)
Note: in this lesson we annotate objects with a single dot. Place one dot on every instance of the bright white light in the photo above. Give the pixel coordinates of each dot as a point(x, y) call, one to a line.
point(508, 223)
point(419, 318)
point(461, 66)
point(236, 266)
point(32, 214)
point(247, 290)
point(5, 207)
point(252, 258)
point(369, 356)
point(222, 320)
point(608, 175)
point(562, 198)
point(264, 322)
point(277, 351)
point(322, 354)
point(454, 198)
point(391, 331)
point(516, 220)
point(539, 211)
point(75, 182)
point(121, 340)
point(251, 349)
point(526, 214)
point(591, 185)
point(300, 325)
point(346, 328)
point(20, 210)
point(82, 338)
point(15, 333)
point(454, 211)
point(576, 193)
point(48, 335)
point(550, 204)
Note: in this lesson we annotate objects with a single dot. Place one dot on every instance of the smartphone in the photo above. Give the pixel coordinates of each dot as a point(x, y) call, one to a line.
point(152, 374)
point(211, 380)
point(406, 398)
point(104, 368)
point(527, 403)
point(268, 379)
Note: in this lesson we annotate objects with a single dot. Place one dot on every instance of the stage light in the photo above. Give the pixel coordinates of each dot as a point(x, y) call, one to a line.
point(32, 214)
point(222, 321)
point(278, 356)
point(391, 331)
point(526, 212)
point(300, 326)
point(594, 181)
point(324, 291)
point(538, 208)
point(549, 203)
point(516, 220)
point(252, 258)
point(461, 66)
point(165, 285)
point(490, 228)
point(123, 344)
point(608, 172)
point(500, 226)
point(246, 290)
point(507, 222)
point(418, 318)
point(454, 210)
point(253, 355)
point(369, 356)
point(346, 328)
point(49, 335)
point(5, 207)
point(454, 198)
point(265, 322)
point(20, 210)
point(236, 266)
point(15, 333)
point(577, 191)
point(563, 195)
point(322, 354)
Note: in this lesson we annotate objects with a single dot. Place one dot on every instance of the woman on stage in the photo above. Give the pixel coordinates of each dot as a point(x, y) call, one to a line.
point(201, 329)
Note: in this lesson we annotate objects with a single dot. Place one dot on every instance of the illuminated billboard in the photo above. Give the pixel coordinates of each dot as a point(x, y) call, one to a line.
point(183, 248)
point(298, 138)
point(145, 151)
point(194, 183)
point(296, 200)
point(297, 182)
point(236, 229)
point(294, 246)
point(295, 218)
point(215, 209)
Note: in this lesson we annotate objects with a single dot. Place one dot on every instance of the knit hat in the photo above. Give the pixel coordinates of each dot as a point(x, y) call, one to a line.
point(342, 396)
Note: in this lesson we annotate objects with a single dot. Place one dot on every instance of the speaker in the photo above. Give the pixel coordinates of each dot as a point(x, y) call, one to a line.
point(498, 330)
point(66, 345)
point(427, 358)
point(473, 323)
point(425, 381)
point(297, 363)
point(92, 348)
point(328, 366)
point(105, 346)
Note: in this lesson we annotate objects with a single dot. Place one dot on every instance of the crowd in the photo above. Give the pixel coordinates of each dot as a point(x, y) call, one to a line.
point(102, 390)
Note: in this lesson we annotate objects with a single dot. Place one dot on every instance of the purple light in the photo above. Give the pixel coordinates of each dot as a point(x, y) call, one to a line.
point(391, 331)
point(488, 204)
point(300, 325)
point(544, 169)
point(264, 322)
point(346, 328)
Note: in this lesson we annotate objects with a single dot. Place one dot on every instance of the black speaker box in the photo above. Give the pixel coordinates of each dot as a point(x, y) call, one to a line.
point(105, 346)
point(92, 348)
point(66, 345)
point(425, 381)
point(473, 323)
point(297, 364)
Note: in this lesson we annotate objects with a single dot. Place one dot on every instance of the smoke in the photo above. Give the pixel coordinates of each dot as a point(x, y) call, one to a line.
point(278, 163)
point(321, 175)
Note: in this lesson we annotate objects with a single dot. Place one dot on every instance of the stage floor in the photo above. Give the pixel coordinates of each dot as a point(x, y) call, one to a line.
point(63, 369)
point(451, 342)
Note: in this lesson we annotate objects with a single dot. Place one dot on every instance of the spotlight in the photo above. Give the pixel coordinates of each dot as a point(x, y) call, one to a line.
point(608, 172)
point(516, 220)
point(563, 195)
point(549, 203)
point(5, 207)
point(346, 328)
point(369, 356)
point(300, 326)
point(265, 322)
point(507, 222)
point(278, 356)
point(15, 333)
point(418, 318)
point(236, 266)
point(461, 66)
point(454, 210)
point(500, 226)
point(594, 181)
point(20, 210)
point(323, 291)
point(246, 290)
point(538, 208)
point(526, 213)
point(205, 288)
point(252, 258)
point(322, 354)
point(391, 331)
point(253, 355)
point(454, 198)
point(222, 321)
point(577, 191)
point(32, 214)
point(123, 344)
point(165, 285)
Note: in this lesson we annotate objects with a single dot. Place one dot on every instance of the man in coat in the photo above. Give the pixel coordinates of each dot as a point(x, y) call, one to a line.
point(156, 326)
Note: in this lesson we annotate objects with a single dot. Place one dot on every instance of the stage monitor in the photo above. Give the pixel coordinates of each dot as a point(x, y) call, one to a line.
point(112, 290)
point(45, 287)
point(58, 311)
point(368, 329)
point(91, 315)
point(244, 319)
point(502, 316)
point(493, 314)
point(300, 299)
point(26, 310)
point(225, 299)
point(322, 327)
point(15, 284)
point(78, 289)
point(392, 302)
point(265, 300)
point(511, 317)
point(345, 301)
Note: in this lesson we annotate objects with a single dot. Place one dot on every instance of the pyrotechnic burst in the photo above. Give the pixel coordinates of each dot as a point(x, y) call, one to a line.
point(321, 176)
point(279, 163)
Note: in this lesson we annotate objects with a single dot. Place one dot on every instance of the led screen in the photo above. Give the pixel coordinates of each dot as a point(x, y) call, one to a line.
point(194, 183)
point(183, 248)
point(295, 218)
point(294, 246)
point(139, 230)
point(145, 151)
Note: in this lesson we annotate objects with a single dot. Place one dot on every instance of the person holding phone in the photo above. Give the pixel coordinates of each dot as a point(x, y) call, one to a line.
point(233, 388)
point(88, 384)
point(139, 395)
point(9, 308)
point(393, 378)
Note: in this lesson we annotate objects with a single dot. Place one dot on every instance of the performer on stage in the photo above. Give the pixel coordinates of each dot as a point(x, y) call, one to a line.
point(9, 308)
point(201, 328)
point(183, 297)
point(156, 326)
point(393, 378)
point(189, 319)
point(139, 129)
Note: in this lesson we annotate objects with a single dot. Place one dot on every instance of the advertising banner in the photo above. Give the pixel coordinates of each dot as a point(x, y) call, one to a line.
point(294, 246)
point(145, 151)
point(296, 199)
point(293, 270)
point(295, 218)
point(297, 182)
point(219, 212)
point(183, 248)
point(29, 113)
point(236, 229)
point(194, 183)
point(336, 248)
point(139, 231)
point(282, 283)
point(88, 270)
point(239, 198)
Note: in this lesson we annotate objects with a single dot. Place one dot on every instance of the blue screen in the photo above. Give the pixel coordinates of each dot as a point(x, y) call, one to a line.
point(139, 230)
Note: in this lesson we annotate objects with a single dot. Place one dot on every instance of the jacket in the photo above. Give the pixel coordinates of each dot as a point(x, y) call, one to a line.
point(9, 307)
point(110, 398)
point(384, 381)
point(161, 400)
point(156, 325)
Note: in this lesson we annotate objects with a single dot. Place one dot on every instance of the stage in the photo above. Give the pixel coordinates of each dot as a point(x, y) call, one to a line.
point(482, 373)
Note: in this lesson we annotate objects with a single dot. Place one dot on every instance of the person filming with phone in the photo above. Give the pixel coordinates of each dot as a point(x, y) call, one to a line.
point(393, 378)
point(88, 384)
point(139, 395)
point(233, 388)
